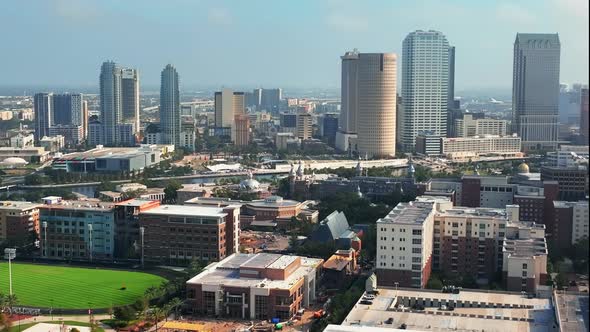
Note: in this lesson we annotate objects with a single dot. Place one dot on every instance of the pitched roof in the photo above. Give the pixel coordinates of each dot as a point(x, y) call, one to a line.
point(331, 227)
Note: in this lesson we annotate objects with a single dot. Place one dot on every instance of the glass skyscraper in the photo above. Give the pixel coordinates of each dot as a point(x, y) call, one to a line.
point(170, 106)
point(110, 102)
point(425, 86)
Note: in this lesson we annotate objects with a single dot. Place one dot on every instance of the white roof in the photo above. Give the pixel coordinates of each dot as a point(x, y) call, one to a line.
point(187, 210)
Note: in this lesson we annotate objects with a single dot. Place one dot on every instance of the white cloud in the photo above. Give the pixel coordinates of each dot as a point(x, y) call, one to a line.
point(578, 8)
point(220, 16)
point(345, 22)
point(515, 14)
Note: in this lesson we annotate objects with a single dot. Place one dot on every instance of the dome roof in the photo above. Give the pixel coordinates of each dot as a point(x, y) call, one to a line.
point(249, 185)
point(523, 168)
point(14, 161)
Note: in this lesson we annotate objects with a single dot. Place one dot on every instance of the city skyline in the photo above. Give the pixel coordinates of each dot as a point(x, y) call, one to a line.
point(331, 28)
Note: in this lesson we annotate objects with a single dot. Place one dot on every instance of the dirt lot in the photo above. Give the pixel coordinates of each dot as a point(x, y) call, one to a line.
point(195, 161)
point(258, 241)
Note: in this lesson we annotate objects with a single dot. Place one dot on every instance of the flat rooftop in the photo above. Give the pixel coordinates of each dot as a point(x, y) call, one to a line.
point(227, 271)
point(17, 205)
point(474, 212)
point(86, 204)
point(572, 311)
point(499, 312)
point(409, 213)
point(109, 152)
point(187, 210)
point(137, 202)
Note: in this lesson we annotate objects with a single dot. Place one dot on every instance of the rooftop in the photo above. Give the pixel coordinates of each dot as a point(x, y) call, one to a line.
point(17, 205)
point(82, 204)
point(409, 213)
point(227, 271)
point(187, 210)
point(136, 202)
point(110, 152)
point(490, 312)
point(572, 311)
point(273, 201)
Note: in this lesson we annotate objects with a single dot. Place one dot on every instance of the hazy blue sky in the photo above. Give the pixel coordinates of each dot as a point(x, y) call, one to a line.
point(290, 43)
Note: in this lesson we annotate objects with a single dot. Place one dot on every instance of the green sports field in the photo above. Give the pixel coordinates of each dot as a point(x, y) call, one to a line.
point(74, 288)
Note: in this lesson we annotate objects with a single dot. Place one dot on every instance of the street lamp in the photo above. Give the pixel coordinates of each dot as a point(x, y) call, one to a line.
point(141, 233)
point(90, 242)
point(10, 254)
point(44, 224)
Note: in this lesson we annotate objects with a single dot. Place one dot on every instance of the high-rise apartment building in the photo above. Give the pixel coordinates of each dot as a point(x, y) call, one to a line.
point(451, 91)
point(242, 129)
point(67, 109)
point(425, 85)
point(43, 106)
point(535, 90)
point(130, 99)
point(228, 104)
point(170, 106)
point(110, 102)
point(84, 119)
point(376, 104)
point(347, 123)
point(304, 125)
point(467, 126)
point(584, 124)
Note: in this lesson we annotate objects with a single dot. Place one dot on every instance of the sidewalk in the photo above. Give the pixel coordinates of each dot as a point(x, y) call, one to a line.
point(56, 319)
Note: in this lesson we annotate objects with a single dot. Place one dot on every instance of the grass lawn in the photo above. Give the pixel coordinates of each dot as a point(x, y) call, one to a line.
point(74, 288)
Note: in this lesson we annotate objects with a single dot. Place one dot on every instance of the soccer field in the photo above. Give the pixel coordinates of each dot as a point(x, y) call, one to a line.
point(74, 288)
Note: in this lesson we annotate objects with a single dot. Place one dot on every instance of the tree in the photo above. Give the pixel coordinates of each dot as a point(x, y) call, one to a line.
point(434, 282)
point(174, 305)
point(124, 313)
point(106, 186)
point(171, 191)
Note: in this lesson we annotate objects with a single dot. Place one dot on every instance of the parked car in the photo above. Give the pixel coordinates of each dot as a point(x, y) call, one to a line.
point(389, 320)
point(367, 302)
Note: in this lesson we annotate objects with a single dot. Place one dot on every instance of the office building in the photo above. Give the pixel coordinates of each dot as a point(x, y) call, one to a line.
point(376, 104)
point(178, 234)
point(19, 223)
point(43, 107)
point(425, 85)
point(329, 127)
point(465, 148)
point(304, 125)
point(568, 156)
point(35, 155)
point(347, 123)
point(428, 143)
point(21, 140)
point(130, 96)
point(77, 230)
point(270, 100)
point(85, 118)
point(95, 132)
point(110, 102)
point(573, 181)
point(451, 89)
point(170, 106)
point(67, 109)
point(584, 124)
point(535, 90)
point(52, 143)
point(242, 130)
point(228, 104)
point(467, 126)
point(571, 223)
point(255, 286)
point(127, 232)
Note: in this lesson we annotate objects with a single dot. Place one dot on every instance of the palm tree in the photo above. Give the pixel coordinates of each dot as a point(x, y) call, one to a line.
point(174, 304)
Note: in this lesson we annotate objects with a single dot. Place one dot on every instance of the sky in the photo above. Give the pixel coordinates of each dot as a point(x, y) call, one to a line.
point(268, 43)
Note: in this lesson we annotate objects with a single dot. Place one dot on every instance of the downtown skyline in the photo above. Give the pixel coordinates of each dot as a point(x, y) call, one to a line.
point(292, 54)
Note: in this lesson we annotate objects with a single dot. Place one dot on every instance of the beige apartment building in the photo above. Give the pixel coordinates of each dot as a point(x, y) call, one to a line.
point(17, 221)
point(471, 147)
point(469, 127)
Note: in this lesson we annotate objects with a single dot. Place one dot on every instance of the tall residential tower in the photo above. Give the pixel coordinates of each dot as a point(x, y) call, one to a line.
point(535, 90)
point(425, 85)
point(130, 100)
point(170, 106)
point(110, 102)
point(43, 106)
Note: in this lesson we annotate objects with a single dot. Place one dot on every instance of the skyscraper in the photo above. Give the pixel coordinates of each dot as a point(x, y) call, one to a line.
point(130, 96)
point(376, 104)
point(535, 90)
point(170, 106)
point(67, 109)
point(110, 102)
point(584, 127)
point(43, 106)
point(347, 124)
point(451, 90)
point(425, 85)
point(228, 104)
point(270, 99)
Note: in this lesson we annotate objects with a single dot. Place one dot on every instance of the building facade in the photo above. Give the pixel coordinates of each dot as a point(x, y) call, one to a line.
point(170, 106)
point(43, 108)
point(535, 90)
point(19, 223)
point(347, 122)
point(469, 127)
point(376, 114)
point(110, 102)
point(176, 234)
point(130, 96)
point(425, 85)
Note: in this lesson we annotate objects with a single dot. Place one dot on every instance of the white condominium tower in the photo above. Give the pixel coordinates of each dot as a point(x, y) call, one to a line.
point(110, 102)
point(535, 90)
point(425, 85)
point(347, 121)
point(170, 106)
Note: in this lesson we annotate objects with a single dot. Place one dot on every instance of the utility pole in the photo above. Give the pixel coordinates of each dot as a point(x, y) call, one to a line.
point(141, 233)
point(10, 254)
